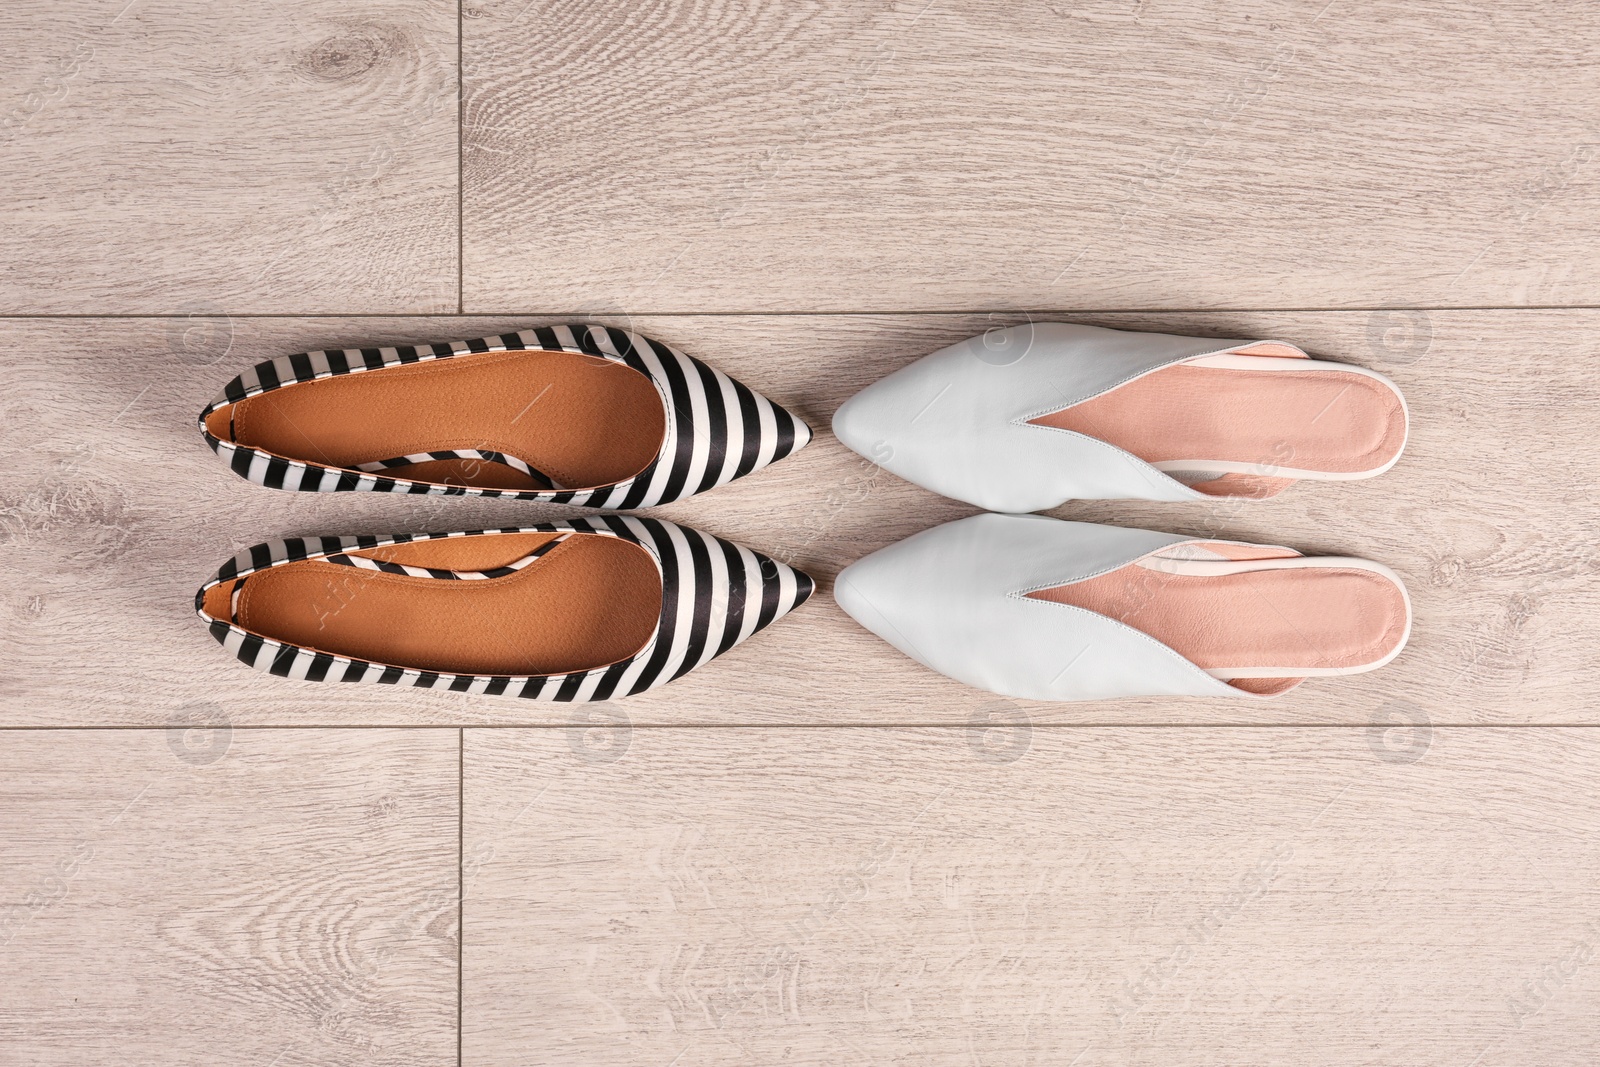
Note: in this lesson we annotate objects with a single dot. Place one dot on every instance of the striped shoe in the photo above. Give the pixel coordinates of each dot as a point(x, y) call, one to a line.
point(590, 609)
point(584, 415)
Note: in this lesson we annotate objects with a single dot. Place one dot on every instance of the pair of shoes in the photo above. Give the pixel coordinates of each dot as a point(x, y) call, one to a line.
point(1017, 420)
point(586, 609)
point(1023, 419)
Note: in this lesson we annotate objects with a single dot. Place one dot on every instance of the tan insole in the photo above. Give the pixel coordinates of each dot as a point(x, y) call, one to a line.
point(583, 420)
point(589, 602)
point(1336, 422)
point(1297, 619)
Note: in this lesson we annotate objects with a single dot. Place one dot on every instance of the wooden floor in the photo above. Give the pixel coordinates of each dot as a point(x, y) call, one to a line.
point(761, 863)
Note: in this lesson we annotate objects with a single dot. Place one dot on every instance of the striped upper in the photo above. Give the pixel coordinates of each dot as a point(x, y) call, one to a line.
point(717, 429)
point(714, 594)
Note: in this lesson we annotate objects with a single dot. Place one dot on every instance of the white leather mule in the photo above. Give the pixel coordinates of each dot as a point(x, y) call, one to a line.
point(1033, 607)
point(1026, 418)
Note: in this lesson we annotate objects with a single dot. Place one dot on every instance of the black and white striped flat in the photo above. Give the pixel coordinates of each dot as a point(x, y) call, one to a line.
point(589, 609)
point(580, 414)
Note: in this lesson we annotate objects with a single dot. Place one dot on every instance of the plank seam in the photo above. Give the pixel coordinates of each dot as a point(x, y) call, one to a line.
point(584, 315)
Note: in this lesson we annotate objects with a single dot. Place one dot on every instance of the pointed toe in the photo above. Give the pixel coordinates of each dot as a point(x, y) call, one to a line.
point(775, 433)
point(805, 586)
point(779, 589)
point(879, 592)
point(865, 423)
point(802, 433)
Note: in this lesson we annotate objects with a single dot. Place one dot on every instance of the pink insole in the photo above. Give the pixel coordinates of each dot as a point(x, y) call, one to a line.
point(1296, 619)
point(1337, 422)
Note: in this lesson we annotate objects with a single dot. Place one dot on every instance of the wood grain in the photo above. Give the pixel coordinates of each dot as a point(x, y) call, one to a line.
point(760, 155)
point(1338, 877)
point(204, 895)
point(112, 511)
point(1085, 895)
point(165, 156)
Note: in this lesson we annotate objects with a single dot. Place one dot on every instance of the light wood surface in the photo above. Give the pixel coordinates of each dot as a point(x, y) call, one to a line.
point(756, 155)
point(176, 157)
point(114, 511)
point(215, 896)
point(1060, 896)
point(812, 851)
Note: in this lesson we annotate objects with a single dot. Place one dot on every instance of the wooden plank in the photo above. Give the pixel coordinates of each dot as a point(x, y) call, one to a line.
point(1100, 155)
point(229, 897)
point(113, 511)
point(164, 156)
point(1108, 896)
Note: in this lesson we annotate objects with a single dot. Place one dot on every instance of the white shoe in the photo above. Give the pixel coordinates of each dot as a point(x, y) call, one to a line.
point(1026, 418)
point(1033, 607)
